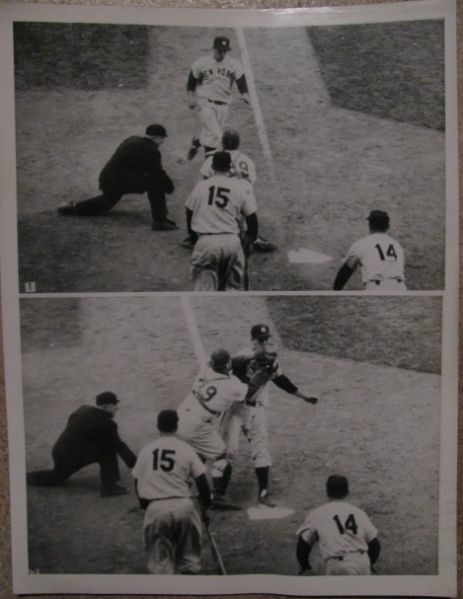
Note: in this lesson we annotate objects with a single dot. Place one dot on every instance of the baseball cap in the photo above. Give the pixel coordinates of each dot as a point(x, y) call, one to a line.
point(221, 43)
point(260, 332)
point(106, 398)
point(167, 421)
point(158, 130)
point(219, 358)
point(378, 218)
point(337, 486)
point(221, 161)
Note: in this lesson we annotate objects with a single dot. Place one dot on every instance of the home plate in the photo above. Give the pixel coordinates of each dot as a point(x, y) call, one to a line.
point(303, 256)
point(262, 512)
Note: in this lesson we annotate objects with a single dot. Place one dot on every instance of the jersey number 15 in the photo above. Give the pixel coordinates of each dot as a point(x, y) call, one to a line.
point(218, 196)
point(164, 459)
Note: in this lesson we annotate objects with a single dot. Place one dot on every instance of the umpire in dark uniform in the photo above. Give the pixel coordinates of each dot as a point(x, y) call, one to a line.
point(135, 167)
point(90, 437)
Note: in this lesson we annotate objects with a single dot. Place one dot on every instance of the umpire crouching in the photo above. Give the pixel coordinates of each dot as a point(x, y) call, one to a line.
point(135, 167)
point(90, 437)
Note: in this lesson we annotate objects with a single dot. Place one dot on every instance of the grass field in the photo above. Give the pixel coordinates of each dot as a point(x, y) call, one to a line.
point(341, 145)
point(378, 424)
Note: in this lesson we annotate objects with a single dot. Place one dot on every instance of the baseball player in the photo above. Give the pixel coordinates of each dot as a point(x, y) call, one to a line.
point(164, 475)
point(214, 389)
point(213, 211)
point(347, 539)
point(209, 86)
point(380, 257)
point(250, 418)
point(242, 167)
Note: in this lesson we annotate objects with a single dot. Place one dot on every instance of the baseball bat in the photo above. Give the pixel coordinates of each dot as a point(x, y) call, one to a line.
point(215, 550)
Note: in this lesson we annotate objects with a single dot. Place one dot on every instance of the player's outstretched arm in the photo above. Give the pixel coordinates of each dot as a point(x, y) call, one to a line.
point(191, 87)
point(374, 549)
point(243, 89)
point(344, 274)
point(307, 398)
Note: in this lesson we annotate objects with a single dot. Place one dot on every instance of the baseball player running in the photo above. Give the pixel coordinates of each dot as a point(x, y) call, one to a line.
point(250, 417)
point(209, 86)
point(380, 257)
point(214, 389)
point(347, 539)
point(213, 211)
point(164, 475)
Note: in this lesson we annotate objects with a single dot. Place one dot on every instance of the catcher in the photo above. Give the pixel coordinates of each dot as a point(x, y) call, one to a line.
point(256, 366)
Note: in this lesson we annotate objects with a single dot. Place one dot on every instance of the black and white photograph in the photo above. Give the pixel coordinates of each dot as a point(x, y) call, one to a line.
point(117, 127)
point(229, 274)
point(329, 404)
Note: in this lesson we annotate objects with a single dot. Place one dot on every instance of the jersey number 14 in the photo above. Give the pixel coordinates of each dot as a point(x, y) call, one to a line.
point(349, 524)
point(390, 253)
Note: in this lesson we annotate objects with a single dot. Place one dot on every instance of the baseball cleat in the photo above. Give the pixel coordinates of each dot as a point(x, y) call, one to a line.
point(187, 244)
point(67, 208)
point(113, 491)
point(263, 245)
point(264, 499)
point(164, 225)
point(221, 503)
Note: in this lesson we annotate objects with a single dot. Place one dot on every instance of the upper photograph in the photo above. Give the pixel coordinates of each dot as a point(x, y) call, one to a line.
point(180, 158)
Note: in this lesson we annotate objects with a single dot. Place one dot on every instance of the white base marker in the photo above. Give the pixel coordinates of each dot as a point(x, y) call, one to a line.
point(304, 256)
point(262, 512)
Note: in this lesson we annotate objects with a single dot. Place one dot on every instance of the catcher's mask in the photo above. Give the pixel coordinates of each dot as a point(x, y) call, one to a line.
point(260, 332)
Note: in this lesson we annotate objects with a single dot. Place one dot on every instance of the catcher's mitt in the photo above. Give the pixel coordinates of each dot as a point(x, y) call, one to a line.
point(255, 372)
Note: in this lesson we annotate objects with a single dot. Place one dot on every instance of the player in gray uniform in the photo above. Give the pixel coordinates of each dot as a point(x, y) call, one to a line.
point(164, 474)
point(213, 391)
point(213, 211)
point(250, 418)
point(347, 539)
point(209, 86)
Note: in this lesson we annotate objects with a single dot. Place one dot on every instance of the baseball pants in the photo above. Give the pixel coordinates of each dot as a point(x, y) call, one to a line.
point(350, 564)
point(217, 263)
point(252, 421)
point(212, 118)
point(112, 194)
point(66, 465)
point(172, 536)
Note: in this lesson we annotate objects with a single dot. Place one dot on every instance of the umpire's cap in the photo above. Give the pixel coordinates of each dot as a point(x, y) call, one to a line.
point(221, 43)
point(337, 486)
point(106, 398)
point(379, 220)
point(261, 332)
point(230, 139)
point(221, 162)
point(157, 130)
point(219, 359)
point(167, 421)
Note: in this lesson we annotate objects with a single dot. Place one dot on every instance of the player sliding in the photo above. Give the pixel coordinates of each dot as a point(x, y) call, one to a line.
point(380, 257)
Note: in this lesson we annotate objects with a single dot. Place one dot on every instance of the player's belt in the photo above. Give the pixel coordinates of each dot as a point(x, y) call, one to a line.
point(217, 102)
point(341, 558)
point(380, 282)
point(222, 233)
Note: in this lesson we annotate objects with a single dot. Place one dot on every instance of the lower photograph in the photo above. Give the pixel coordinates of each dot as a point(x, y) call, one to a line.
point(296, 436)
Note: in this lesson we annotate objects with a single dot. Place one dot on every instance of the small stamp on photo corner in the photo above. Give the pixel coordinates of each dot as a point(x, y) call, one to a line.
point(30, 287)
